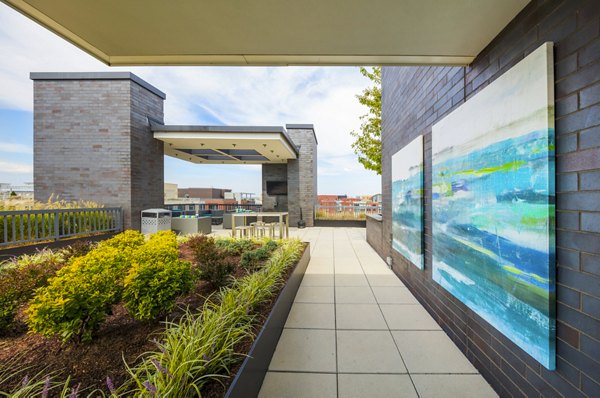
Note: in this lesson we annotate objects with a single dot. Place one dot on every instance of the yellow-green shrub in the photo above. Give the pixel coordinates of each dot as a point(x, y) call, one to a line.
point(151, 288)
point(20, 277)
point(125, 241)
point(156, 278)
point(78, 299)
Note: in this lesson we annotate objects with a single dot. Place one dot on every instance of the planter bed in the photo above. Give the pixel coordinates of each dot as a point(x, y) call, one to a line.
point(121, 337)
point(249, 377)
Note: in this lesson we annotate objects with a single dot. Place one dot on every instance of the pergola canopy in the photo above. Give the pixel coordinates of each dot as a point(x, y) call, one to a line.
point(226, 144)
point(276, 32)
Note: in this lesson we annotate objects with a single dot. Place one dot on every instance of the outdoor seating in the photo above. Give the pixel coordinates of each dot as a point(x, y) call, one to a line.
point(246, 231)
point(262, 229)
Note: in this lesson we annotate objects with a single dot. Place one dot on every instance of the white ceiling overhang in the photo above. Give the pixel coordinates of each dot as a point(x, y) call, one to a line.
point(226, 144)
point(276, 32)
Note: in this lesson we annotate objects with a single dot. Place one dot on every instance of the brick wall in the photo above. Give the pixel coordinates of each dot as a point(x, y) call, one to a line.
point(92, 141)
point(415, 98)
point(147, 153)
point(274, 172)
point(302, 176)
point(375, 233)
point(81, 130)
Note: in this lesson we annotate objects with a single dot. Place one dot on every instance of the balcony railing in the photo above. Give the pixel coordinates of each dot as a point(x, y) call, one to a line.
point(340, 212)
point(23, 227)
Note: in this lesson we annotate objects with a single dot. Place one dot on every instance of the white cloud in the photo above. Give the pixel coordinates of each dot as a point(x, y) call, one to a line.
point(7, 147)
point(324, 97)
point(10, 167)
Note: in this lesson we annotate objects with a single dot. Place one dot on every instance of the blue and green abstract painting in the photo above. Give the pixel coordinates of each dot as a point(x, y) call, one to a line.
point(407, 201)
point(493, 202)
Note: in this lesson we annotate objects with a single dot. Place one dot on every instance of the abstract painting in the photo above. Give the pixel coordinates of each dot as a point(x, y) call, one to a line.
point(407, 201)
point(493, 204)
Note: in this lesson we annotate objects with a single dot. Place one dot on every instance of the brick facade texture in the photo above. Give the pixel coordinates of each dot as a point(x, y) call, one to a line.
point(415, 98)
point(301, 176)
point(92, 141)
point(274, 172)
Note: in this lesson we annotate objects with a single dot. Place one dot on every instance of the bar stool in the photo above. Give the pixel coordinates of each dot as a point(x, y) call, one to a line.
point(261, 229)
point(245, 231)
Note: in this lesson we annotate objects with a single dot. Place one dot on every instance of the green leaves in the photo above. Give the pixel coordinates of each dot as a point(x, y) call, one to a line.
point(201, 347)
point(156, 278)
point(367, 144)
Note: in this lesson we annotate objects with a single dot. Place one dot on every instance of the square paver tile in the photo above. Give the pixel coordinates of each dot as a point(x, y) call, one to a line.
point(431, 352)
point(393, 295)
point(317, 280)
point(384, 280)
point(357, 279)
point(321, 261)
point(314, 294)
point(349, 270)
point(375, 386)
point(354, 295)
point(359, 316)
point(305, 350)
point(368, 351)
point(298, 385)
point(311, 316)
point(408, 317)
point(453, 386)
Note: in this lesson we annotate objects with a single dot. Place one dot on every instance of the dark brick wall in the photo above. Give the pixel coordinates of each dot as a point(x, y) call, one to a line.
point(274, 172)
point(147, 154)
point(414, 98)
point(375, 233)
point(92, 141)
point(301, 177)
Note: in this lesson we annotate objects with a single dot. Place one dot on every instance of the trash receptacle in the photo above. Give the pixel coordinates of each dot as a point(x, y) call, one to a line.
point(154, 220)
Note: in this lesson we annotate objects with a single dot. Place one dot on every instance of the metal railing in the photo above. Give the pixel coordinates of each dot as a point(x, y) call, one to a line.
point(340, 212)
point(21, 227)
point(196, 207)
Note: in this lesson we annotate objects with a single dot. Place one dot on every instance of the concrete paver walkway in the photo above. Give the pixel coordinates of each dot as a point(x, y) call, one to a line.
point(356, 331)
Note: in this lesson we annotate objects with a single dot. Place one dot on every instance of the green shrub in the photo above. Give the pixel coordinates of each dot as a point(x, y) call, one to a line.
point(125, 241)
point(78, 299)
point(235, 247)
point(271, 245)
point(213, 266)
point(156, 278)
point(77, 249)
point(202, 347)
point(253, 259)
point(147, 274)
point(20, 277)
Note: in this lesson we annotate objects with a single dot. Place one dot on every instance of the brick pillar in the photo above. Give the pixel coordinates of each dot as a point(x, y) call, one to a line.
point(302, 174)
point(92, 140)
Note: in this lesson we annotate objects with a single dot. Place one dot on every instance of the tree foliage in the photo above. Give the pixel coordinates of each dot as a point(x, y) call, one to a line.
point(367, 144)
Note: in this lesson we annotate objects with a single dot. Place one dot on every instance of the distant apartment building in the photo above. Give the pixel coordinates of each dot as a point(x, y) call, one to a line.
point(208, 196)
point(170, 191)
point(344, 200)
point(24, 191)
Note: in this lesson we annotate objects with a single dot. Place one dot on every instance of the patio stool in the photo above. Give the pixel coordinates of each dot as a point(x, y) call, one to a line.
point(261, 228)
point(245, 231)
point(277, 226)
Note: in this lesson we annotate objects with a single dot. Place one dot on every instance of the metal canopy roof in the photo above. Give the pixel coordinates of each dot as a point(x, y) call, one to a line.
point(226, 144)
point(276, 32)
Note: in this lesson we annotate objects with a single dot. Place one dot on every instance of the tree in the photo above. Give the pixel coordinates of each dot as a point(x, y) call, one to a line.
point(367, 144)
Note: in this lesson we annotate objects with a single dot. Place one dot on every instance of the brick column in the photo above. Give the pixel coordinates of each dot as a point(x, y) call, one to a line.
point(302, 174)
point(92, 140)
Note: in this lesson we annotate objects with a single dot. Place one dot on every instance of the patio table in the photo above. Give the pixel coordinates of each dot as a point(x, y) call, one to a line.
point(258, 215)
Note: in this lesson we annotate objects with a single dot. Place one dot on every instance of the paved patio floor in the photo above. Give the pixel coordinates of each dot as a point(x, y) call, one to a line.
point(356, 331)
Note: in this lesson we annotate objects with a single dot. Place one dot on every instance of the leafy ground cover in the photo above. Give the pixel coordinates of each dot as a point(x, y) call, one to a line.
point(162, 316)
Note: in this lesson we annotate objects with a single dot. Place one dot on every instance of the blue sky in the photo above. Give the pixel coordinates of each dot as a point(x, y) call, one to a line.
point(324, 97)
